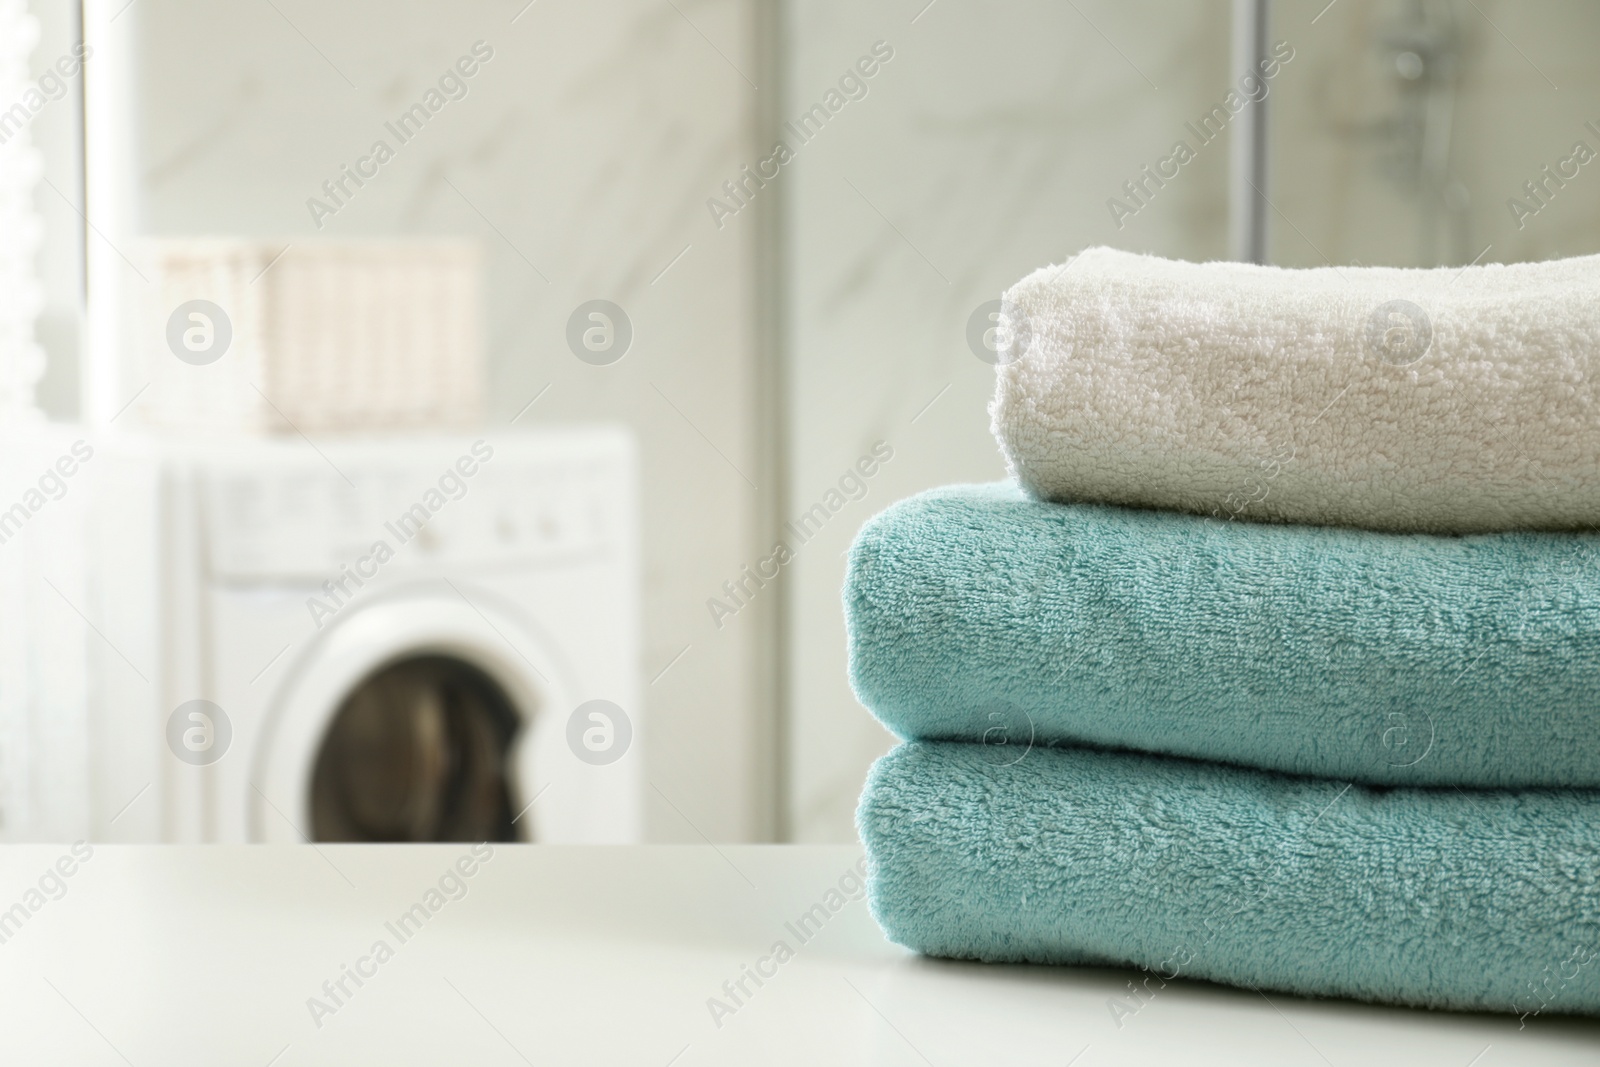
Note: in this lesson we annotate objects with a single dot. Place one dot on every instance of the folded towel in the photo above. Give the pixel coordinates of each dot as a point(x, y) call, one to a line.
point(1484, 900)
point(978, 613)
point(1448, 400)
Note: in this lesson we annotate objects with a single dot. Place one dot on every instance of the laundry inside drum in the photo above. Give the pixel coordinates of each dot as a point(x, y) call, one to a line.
point(419, 751)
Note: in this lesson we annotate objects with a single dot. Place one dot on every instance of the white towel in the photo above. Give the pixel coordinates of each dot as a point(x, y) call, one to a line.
point(1447, 400)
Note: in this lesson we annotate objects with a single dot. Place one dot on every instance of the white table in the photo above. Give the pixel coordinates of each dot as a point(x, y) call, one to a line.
point(208, 955)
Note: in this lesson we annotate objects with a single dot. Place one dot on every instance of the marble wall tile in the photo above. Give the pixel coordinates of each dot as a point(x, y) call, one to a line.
point(988, 146)
point(991, 143)
point(580, 159)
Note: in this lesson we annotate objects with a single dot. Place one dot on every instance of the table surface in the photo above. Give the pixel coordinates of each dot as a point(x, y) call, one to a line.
point(210, 955)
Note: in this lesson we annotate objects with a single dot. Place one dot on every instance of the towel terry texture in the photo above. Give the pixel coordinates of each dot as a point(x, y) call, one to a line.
point(1437, 897)
point(975, 612)
point(1449, 400)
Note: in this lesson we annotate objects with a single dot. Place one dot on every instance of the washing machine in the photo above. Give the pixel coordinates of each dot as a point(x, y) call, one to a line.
point(375, 639)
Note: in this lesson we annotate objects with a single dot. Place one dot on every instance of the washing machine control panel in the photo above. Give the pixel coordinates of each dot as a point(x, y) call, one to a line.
point(307, 522)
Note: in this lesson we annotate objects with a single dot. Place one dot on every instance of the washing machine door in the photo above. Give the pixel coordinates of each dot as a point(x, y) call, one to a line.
point(422, 715)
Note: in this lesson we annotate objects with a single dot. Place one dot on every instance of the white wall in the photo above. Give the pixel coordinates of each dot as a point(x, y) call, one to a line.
point(989, 144)
point(992, 142)
point(584, 152)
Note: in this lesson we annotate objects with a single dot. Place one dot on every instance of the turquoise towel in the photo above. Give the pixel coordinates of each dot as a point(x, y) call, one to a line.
point(1438, 897)
point(1400, 659)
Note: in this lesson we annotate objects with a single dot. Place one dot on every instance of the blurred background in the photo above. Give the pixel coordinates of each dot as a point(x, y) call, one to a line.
point(580, 347)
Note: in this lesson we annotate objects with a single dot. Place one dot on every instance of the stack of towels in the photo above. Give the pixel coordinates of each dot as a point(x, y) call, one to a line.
point(1278, 663)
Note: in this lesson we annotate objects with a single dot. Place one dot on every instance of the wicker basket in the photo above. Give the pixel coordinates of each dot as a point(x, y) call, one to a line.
point(320, 336)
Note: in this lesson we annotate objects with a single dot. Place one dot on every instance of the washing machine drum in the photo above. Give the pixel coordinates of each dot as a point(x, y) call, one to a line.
point(419, 751)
